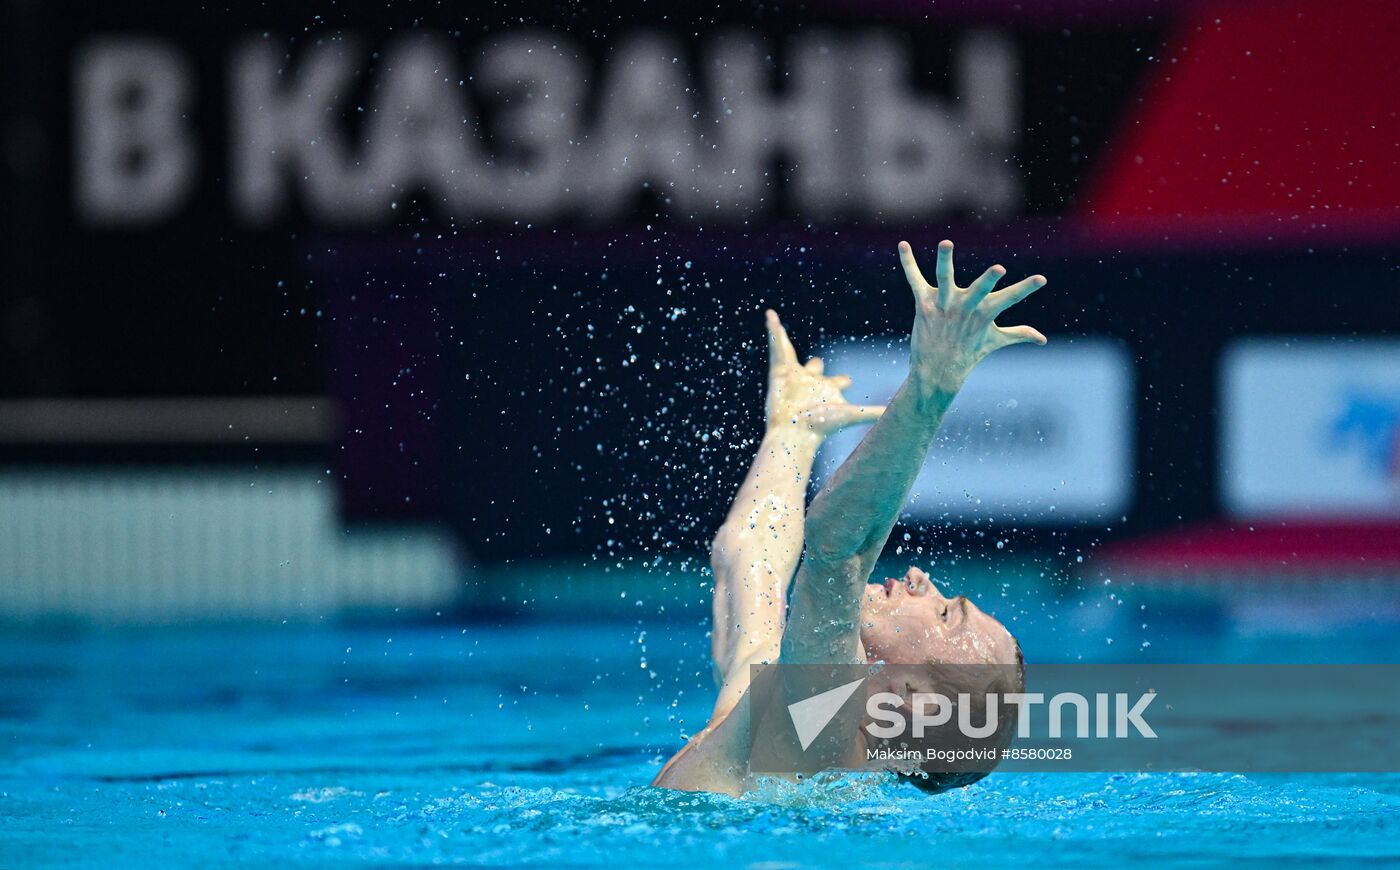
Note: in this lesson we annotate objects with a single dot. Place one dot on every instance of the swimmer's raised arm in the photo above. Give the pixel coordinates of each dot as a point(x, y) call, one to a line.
point(756, 551)
point(852, 517)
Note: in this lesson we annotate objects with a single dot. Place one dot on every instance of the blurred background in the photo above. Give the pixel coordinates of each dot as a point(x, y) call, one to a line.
point(366, 310)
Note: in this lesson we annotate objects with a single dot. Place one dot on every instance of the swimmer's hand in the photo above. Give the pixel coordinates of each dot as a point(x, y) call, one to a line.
point(801, 397)
point(954, 326)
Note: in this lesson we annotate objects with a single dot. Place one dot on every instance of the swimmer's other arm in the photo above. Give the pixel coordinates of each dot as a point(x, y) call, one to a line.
point(850, 520)
point(756, 551)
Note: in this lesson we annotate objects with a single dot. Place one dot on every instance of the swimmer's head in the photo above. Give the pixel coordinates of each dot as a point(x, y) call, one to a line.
point(909, 621)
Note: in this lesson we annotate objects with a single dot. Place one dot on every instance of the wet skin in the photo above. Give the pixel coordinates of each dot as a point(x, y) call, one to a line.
point(827, 551)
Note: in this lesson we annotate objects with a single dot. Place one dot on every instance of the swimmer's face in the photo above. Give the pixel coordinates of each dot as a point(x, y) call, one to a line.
point(908, 621)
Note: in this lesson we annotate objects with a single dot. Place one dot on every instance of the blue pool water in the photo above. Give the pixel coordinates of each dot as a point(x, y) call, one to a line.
point(531, 742)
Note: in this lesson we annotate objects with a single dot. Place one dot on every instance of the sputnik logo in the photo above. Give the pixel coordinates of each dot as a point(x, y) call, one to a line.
point(810, 716)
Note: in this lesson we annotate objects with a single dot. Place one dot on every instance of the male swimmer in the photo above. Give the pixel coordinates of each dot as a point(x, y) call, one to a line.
point(836, 616)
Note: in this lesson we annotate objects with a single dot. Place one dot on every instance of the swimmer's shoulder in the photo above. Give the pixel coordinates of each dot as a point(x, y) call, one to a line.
point(712, 761)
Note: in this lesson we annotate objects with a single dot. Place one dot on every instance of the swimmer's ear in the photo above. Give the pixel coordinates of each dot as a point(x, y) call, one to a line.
point(780, 349)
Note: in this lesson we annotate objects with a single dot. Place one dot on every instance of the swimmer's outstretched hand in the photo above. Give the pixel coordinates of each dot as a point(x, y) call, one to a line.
point(954, 326)
point(801, 396)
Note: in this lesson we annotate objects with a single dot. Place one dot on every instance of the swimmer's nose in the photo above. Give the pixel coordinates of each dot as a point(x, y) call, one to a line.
point(919, 583)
